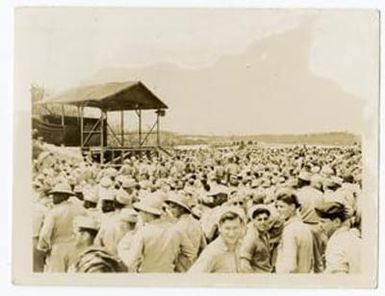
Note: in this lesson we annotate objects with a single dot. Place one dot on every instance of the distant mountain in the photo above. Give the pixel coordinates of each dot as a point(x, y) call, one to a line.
point(332, 138)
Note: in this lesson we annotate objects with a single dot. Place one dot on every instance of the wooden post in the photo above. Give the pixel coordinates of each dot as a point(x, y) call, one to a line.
point(62, 115)
point(122, 127)
point(157, 128)
point(81, 127)
point(102, 137)
point(140, 127)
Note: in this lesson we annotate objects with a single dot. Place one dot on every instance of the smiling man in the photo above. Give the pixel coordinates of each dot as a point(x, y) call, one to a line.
point(255, 248)
point(222, 255)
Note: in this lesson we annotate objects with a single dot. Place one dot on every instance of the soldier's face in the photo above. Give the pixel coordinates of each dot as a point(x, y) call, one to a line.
point(231, 231)
point(285, 210)
point(175, 210)
point(261, 222)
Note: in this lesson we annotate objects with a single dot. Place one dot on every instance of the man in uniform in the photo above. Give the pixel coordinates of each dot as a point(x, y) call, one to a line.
point(157, 244)
point(57, 226)
point(178, 205)
point(255, 248)
point(343, 250)
point(222, 254)
point(85, 229)
point(295, 250)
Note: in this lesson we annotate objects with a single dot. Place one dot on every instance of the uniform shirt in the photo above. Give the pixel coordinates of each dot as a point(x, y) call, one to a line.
point(320, 240)
point(155, 247)
point(38, 212)
point(217, 258)
point(343, 252)
point(255, 248)
point(193, 230)
point(126, 243)
point(111, 231)
point(57, 226)
point(295, 250)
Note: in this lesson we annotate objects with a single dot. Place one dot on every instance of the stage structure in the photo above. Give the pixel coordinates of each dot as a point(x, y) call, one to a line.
point(112, 97)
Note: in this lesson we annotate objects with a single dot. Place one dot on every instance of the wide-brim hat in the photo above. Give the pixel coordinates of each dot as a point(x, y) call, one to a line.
point(152, 204)
point(305, 176)
point(106, 194)
point(179, 199)
point(129, 215)
point(61, 188)
point(90, 195)
point(219, 189)
point(123, 197)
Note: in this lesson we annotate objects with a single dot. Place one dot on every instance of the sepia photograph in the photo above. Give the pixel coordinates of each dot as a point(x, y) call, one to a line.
point(227, 147)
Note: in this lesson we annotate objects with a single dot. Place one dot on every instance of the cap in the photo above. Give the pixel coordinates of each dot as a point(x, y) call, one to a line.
point(257, 209)
point(288, 196)
point(231, 209)
point(330, 210)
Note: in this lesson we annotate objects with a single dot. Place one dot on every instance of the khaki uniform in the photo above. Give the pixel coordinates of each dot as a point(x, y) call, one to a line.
point(155, 247)
point(295, 251)
point(193, 230)
point(57, 229)
point(343, 252)
point(255, 248)
point(217, 258)
point(110, 233)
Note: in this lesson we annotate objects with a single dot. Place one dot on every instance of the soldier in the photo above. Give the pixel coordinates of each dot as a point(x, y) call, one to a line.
point(179, 207)
point(255, 248)
point(57, 226)
point(85, 230)
point(222, 254)
point(295, 250)
point(343, 250)
point(157, 244)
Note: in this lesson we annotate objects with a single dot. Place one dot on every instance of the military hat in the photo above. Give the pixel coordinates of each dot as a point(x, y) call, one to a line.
point(260, 208)
point(152, 204)
point(330, 209)
point(90, 195)
point(218, 189)
point(123, 197)
point(129, 215)
point(180, 199)
point(63, 188)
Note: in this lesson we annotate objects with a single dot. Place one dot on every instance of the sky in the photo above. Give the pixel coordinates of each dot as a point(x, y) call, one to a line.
point(220, 71)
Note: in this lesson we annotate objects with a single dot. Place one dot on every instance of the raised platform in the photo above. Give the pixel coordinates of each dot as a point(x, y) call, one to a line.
point(116, 155)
